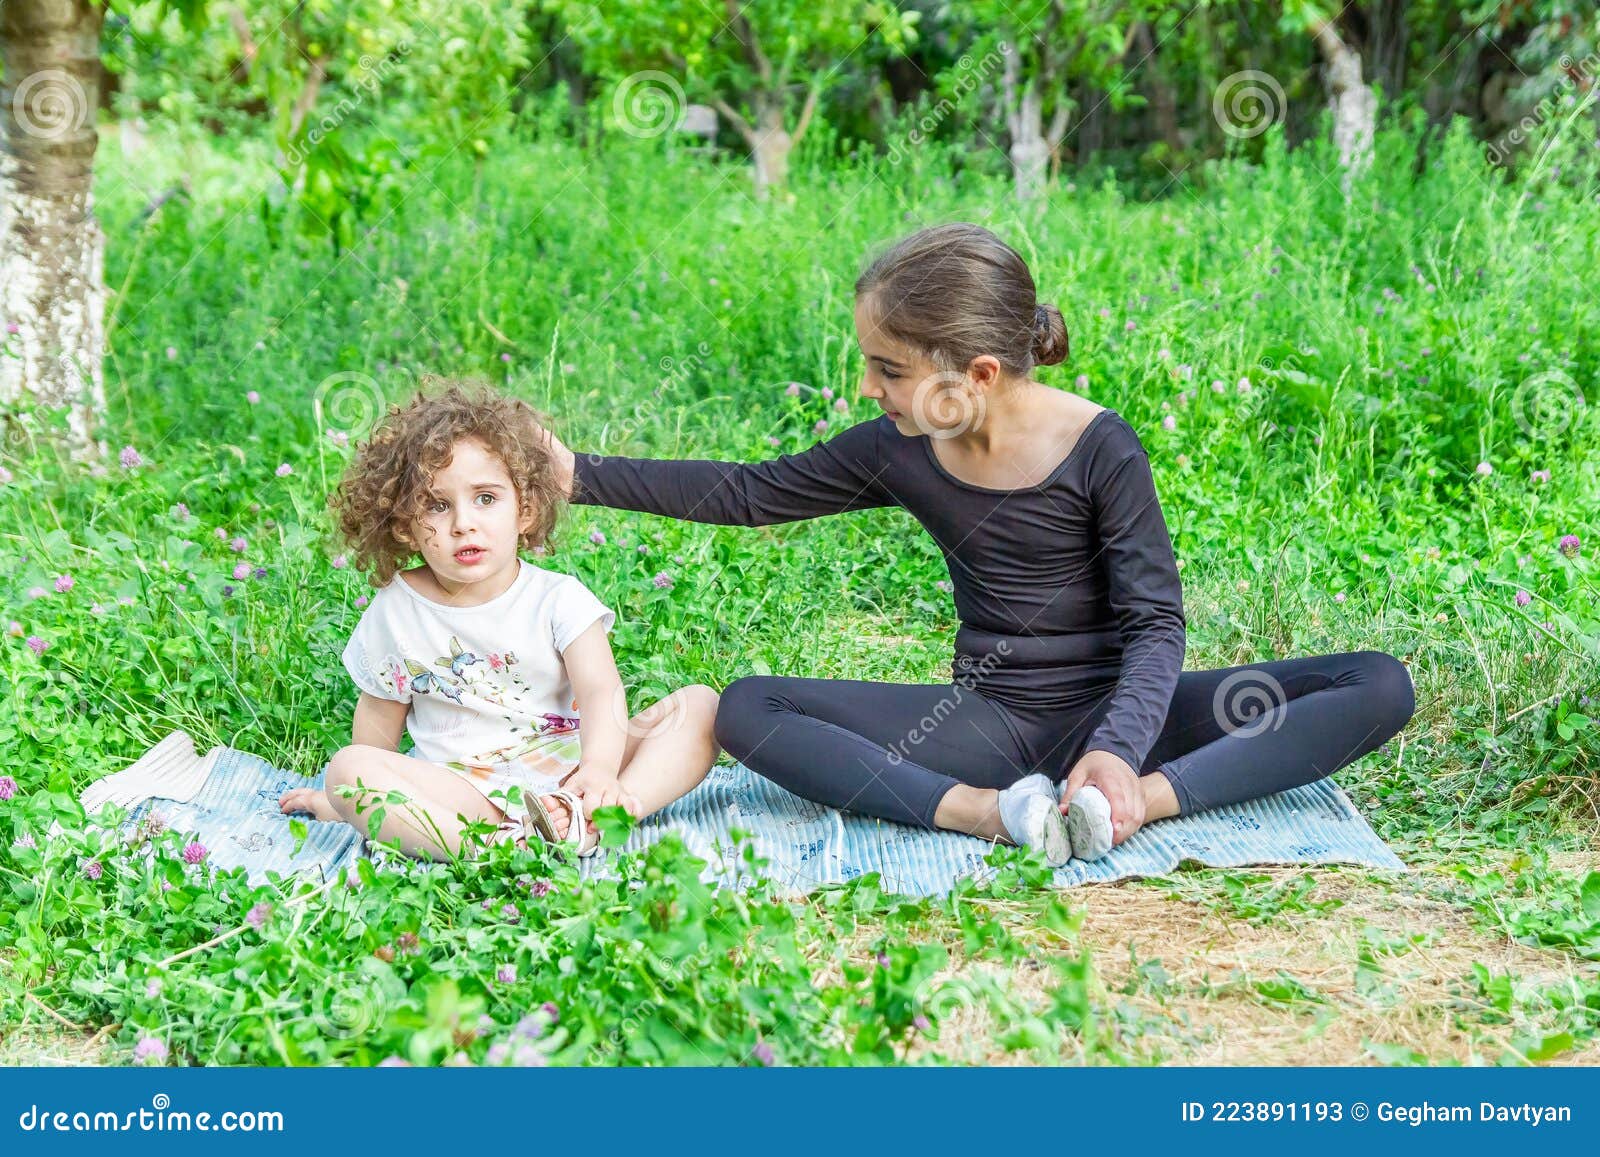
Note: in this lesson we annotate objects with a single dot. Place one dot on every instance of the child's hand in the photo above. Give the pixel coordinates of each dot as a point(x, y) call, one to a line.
point(600, 789)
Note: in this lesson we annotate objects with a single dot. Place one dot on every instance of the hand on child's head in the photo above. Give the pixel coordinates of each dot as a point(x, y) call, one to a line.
point(419, 442)
point(562, 459)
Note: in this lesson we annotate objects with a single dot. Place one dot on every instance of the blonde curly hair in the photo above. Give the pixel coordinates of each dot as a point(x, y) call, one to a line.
point(384, 489)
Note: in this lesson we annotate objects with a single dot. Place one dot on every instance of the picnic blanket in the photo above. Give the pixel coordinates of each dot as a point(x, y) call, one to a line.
point(229, 799)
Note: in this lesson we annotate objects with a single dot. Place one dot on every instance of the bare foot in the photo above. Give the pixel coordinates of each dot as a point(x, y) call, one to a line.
point(308, 799)
point(560, 817)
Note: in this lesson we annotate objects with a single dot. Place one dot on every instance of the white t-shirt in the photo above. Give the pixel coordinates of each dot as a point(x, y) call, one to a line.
point(483, 682)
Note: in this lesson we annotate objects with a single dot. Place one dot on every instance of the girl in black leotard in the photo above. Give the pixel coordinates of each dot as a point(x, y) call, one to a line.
point(1069, 656)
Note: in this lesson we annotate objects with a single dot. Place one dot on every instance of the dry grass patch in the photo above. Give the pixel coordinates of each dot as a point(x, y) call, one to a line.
point(1386, 957)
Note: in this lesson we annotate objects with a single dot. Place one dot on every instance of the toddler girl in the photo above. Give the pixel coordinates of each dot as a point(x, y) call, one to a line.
point(501, 671)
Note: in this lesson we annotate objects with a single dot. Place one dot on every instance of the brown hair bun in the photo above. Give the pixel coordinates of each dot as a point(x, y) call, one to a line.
point(1049, 336)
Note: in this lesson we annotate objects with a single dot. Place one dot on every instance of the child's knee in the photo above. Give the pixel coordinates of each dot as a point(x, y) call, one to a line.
point(349, 763)
point(691, 706)
point(699, 702)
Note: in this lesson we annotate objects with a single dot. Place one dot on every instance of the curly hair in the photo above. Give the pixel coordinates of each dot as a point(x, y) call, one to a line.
point(384, 489)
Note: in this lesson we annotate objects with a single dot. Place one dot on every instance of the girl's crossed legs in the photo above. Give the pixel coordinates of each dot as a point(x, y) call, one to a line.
point(935, 755)
point(669, 749)
point(1239, 733)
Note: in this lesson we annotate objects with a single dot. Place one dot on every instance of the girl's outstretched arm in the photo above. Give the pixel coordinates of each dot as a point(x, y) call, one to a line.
point(831, 477)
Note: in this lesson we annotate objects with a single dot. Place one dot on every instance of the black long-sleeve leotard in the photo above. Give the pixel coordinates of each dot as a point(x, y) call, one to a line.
point(1065, 591)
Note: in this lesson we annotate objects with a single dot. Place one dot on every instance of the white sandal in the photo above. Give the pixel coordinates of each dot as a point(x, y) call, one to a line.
point(541, 821)
point(510, 831)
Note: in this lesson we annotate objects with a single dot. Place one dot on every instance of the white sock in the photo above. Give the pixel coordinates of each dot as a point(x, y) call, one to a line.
point(1089, 822)
point(1031, 817)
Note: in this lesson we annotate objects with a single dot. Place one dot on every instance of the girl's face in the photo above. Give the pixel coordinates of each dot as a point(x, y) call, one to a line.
point(471, 520)
point(919, 397)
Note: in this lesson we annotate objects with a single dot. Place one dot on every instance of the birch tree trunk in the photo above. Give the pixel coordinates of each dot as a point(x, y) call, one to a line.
point(52, 253)
point(771, 145)
point(1355, 105)
point(1030, 151)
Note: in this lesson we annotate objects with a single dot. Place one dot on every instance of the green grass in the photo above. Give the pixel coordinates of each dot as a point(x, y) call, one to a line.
point(651, 307)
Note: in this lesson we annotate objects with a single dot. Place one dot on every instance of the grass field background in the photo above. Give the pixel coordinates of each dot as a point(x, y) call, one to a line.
point(1371, 422)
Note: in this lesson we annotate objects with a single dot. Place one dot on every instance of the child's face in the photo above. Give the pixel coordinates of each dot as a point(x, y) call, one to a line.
point(471, 521)
point(918, 396)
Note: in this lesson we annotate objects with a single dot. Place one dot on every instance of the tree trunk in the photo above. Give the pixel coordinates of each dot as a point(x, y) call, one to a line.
point(1355, 105)
point(771, 147)
point(52, 253)
point(1030, 152)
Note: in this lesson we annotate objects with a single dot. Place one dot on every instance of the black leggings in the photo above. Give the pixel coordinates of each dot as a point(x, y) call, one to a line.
point(893, 749)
